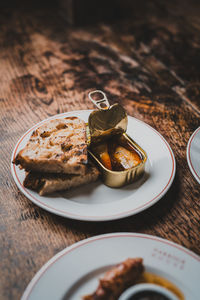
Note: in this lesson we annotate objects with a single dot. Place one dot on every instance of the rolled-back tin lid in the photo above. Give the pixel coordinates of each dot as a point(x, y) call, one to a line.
point(107, 120)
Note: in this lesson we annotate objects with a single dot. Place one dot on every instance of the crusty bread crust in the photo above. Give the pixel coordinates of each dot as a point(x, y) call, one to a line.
point(58, 146)
point(45, 183)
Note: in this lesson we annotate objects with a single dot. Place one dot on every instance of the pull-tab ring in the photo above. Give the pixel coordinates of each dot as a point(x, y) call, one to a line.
point(103, 103)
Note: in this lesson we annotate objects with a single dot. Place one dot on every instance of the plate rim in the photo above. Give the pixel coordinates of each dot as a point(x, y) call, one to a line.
point(189, 160)
point(65, 251)
point(79, 217)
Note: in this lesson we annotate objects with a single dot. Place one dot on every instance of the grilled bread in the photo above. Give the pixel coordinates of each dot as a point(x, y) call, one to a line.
point(57, 146)
point(118, 279)
point(46, 183)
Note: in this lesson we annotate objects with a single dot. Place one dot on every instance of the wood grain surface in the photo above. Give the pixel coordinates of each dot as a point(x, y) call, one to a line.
point(150, 64)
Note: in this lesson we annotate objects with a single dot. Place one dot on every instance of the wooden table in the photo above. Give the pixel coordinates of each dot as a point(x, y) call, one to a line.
point(150, 64)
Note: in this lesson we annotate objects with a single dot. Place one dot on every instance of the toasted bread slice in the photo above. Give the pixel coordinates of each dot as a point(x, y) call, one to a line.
point(57, 146)
point(118, 279)
point(46, 183)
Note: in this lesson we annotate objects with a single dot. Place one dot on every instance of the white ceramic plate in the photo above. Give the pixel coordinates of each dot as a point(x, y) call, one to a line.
point(75, 271)
point(193, 154)
point(97, 202)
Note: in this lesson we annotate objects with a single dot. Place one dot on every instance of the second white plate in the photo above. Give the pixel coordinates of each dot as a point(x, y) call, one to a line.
point(97, 202)
point(75, 271)
point(193, 154)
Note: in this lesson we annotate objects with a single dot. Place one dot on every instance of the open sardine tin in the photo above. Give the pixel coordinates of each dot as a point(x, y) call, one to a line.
point(108, 123)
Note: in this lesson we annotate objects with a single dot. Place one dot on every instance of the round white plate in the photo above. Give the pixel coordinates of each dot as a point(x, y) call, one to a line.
point(193, 154)
point(97, 202)
point(75, 271)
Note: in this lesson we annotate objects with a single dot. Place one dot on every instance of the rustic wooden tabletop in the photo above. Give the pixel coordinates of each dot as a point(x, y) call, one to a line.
point(150, 65)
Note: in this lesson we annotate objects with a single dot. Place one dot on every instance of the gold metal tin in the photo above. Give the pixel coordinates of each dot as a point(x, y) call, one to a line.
point(120, 178)
point(105, 123)
point(108, 122)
